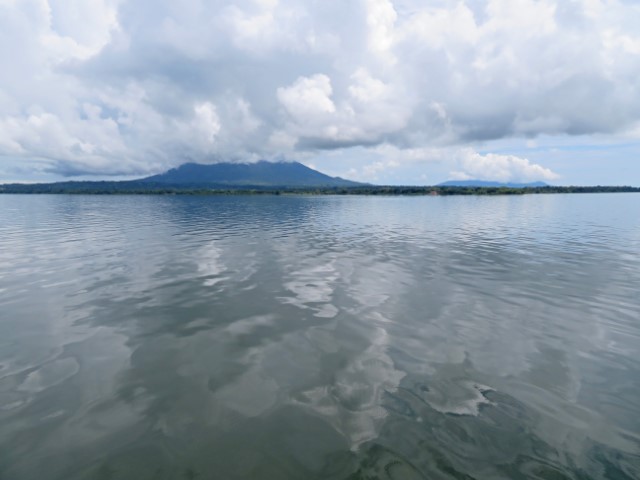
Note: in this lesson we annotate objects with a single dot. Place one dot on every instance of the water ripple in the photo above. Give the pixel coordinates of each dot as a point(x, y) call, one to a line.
point(319, 337)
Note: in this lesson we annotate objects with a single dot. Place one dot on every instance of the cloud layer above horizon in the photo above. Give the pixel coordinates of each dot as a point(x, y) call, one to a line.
point(117, 87)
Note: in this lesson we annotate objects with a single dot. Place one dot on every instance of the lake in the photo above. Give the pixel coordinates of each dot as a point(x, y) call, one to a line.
point(302, 337)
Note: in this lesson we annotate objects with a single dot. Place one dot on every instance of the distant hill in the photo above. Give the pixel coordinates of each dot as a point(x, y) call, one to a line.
point(259, 174)
point(485, 184)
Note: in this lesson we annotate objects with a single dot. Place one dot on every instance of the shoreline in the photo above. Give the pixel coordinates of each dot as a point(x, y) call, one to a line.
point(117, 188)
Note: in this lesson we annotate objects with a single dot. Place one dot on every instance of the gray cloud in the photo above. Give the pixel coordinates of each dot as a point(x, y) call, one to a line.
point(122, 87)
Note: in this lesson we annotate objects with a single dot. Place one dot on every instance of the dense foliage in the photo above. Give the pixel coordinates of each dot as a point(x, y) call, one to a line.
point(144, 188)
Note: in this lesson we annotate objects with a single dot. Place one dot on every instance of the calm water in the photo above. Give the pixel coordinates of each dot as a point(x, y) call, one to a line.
point(319, 337)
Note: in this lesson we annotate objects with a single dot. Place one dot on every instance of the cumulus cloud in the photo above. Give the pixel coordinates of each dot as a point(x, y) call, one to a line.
point(505, 168)
point(308, 97)
point(367, 110)
point(461, 163)
point(124, 87)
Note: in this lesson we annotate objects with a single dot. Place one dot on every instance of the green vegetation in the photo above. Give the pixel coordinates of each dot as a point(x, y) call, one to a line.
point(148, 188)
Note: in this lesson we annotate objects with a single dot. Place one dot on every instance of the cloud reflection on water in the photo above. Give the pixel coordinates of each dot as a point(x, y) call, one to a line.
point(374, 325)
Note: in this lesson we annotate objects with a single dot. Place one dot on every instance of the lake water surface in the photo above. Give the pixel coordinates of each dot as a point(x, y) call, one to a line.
point(151, 337)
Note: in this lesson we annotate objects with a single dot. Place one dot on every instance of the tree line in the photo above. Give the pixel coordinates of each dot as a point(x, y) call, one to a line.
point(135, 188)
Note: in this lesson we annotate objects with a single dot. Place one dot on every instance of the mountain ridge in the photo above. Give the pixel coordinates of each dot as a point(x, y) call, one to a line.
point(259, 174)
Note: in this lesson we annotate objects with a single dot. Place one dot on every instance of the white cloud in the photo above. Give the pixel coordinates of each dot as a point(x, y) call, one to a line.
point(368, 109)
point(437, 27)
point(371, 172)
point(390, 162)
point(117, 86)
point(80, 28)
point(206, 123)
point(308, 97)
point(381, 18)
point(504, 168)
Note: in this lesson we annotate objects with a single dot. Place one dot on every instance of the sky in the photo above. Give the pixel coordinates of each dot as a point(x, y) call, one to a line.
point(383, 91)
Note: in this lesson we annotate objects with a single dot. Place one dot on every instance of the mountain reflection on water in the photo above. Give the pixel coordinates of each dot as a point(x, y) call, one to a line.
point(149, 337)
